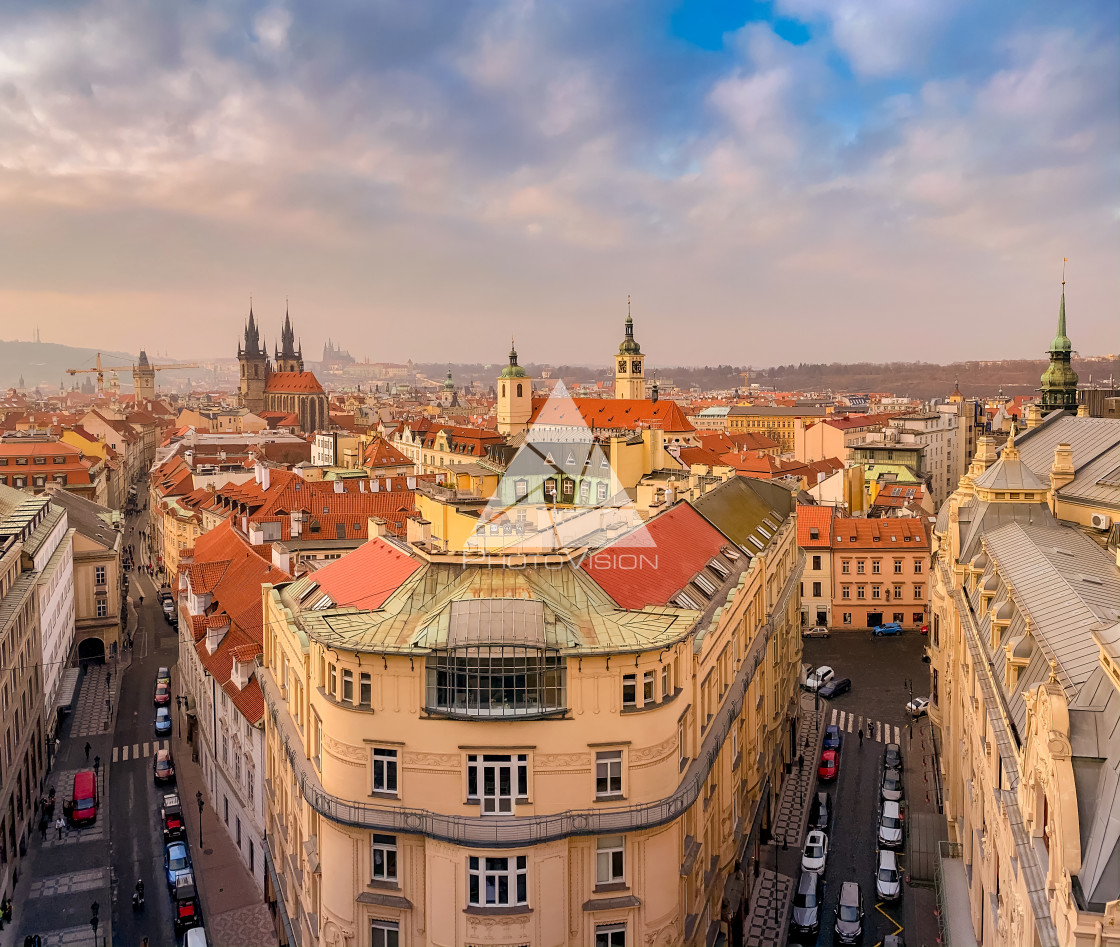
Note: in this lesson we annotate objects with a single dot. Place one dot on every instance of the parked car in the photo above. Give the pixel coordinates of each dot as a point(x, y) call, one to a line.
point(163, 769)
point(849, 914)
point(805, 919)
point(163, 676)
point(196, 937)
point(836, 687)
point(820, 812)
point(830, 765)
point(168, 606)
point(819, 678)
point(171, 815)
point(890, 787)
point(890, 628)
point(163, 721)
point(176, 859)
point(892, 757)
point(82, 808)
point(890, 825)
point(888, 876)
point(162, 696)
point(918, 707)
point(815, 853)
point(817, 631)
point(832, 738)
point(183, 893)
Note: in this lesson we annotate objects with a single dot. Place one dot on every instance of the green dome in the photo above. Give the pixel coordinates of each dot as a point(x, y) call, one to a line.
point(513, 370)
point(1059, 375)
point(629, 345)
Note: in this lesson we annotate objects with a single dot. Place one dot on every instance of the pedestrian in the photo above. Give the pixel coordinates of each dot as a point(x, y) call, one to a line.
point(861, 736)
point(870, 730)
point(43, 827)
point(58, 824)
point(800, 761)
point(141, 598)
point(88, 748)
point(96, 765)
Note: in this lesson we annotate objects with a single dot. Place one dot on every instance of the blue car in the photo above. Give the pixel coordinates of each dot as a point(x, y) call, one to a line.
point(832, 738)
point(890, 628)
point(163, 720)
point(836, 687)
point(176, 858)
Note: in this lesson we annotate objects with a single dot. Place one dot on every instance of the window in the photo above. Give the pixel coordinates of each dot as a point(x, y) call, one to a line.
point(814, 533)
point(495, 681)
point(846, 566)
point(99, 575)
point(610, 860)
point(898, 567)
point(937, 631)
point(861, 591)
point(610, 935)
point(250, 794)
point(365, 690)
point(875, 566)
point(918, 618)
point(899, 617)
point(608, 774)
point(384, 933)
point(495, 780)
point(917, 567)
point(917, 591)
point(816, 590)
point(666, 689)
point(521, 489)
point(629, 690)
point(875, 591)
point(332, 680)
point(239, 832)
point(846, 592)
point(861, 567)
point(42, 460)
point(226, 798)
point(348, 686)
point(601, 489)
point(225, 750)
point(498, 882)
point(847, 618)
point(817, 563)
point(649, 683)
point(383, 858)
point(385, 771)
point(102, 608)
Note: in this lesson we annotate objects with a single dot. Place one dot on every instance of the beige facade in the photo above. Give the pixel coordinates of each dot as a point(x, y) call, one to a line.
point(1025, 687)
point(621, 802)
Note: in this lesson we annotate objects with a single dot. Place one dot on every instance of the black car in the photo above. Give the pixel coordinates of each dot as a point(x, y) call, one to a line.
point(892, 757)
point(832, 738)
point(836, 687)
point(805, 920)
point(849, 914)
point(820, 814)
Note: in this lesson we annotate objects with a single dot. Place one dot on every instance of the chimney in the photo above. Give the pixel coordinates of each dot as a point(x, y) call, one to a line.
point(374, 485)
point(377, 527)
point(1061, 472)
point(419, 530)
point(266, 478)
point(281, 558)
point(297, 524)
point(1083, 410)
point(1034, 415)
point(339, 487)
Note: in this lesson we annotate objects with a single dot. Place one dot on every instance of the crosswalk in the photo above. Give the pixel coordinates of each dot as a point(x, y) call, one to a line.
point(852, 723)
point(138, 750)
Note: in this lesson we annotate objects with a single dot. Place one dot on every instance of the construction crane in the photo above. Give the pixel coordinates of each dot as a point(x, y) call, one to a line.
point(99, 369)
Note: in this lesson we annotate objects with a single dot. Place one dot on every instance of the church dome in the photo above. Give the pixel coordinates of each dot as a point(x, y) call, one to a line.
point(629, 345)
point(513, 370)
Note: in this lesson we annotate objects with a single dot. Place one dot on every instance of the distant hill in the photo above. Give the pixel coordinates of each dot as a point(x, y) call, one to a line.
point(45, 363)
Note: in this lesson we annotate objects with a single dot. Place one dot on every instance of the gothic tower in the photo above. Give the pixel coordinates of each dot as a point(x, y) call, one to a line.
point(254, 367)
point(143, 380)
point(629, 369)
point(515, 396)
point(1059, 381)
point(289, 358)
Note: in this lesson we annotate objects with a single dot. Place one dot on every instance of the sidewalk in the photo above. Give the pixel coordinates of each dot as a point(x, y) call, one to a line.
point(233, 908)
point(768, 919)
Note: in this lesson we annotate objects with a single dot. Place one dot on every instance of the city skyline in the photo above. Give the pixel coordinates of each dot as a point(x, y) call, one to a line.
point(781, 165)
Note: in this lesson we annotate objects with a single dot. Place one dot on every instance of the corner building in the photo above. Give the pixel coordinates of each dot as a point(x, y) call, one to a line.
point(571, 747)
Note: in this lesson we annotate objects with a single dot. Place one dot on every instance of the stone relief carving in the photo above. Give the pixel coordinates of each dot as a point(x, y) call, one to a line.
point(345, 751)
point(562, 760)
point(648, 755)
point(448, 761)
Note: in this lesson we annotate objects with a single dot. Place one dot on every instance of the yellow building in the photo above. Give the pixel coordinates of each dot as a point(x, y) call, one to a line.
point(571, 747)
point(1025, 688)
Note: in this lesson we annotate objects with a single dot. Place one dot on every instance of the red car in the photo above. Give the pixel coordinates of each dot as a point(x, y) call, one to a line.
point(830, 765)
point(163, 695)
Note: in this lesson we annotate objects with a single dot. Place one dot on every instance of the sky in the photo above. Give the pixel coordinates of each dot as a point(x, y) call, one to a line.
point(770, 182)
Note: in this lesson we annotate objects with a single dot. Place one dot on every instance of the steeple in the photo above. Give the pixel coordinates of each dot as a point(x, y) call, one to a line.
point(287, 337)
point(513, 370)
point(1059, 381)
point(252, 343)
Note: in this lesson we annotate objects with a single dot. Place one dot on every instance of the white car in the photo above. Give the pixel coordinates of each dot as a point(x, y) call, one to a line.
point(815, 852)
point(817, 631)
point(888, 876)
point(918, 707)
point(820, 677)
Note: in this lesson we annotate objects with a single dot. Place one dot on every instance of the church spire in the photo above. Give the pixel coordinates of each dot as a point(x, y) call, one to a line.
point(1059, 381)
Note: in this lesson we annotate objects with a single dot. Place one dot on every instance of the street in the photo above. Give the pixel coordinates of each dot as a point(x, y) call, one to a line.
point(878, 669)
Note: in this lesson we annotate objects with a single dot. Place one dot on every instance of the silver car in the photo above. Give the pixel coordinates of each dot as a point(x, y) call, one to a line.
point(890, 826)
point(888, 876)
point(891, 786)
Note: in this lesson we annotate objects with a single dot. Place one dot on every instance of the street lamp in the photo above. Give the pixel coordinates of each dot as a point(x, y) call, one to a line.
point(201, 804)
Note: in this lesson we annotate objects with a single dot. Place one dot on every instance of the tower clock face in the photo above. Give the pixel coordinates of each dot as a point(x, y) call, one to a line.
point(636, 366)
point(622, 365)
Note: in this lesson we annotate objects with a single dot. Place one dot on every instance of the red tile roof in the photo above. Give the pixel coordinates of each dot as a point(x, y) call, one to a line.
point(648, 566)
point(366, 577)
point(610, 414)
point(858, 533)
point(818, 518)
point(293, 383)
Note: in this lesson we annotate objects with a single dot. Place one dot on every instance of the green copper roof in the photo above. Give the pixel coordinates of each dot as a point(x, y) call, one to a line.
point(513, 370)
point(629, 346)
point(1061, 341)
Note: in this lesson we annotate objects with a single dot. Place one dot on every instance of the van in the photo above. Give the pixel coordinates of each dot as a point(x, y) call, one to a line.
point(83, 805)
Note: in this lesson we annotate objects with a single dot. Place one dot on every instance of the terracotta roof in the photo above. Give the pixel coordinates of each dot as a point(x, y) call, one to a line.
point(701, 455)
point(366, 577)
point(818, 518)
point(851, 532)
point(380, 453)
point(674, 547)
point(610, 414)
point(204, 576)
point(294, 383)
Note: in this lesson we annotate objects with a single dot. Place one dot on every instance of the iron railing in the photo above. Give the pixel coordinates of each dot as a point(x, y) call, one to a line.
point(502, 832)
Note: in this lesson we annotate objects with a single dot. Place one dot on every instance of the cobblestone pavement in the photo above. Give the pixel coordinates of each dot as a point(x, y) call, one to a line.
point(766, 924)
point(90, 714)
point(69, 883)
point(247, 925)
point(81, 936)
point(799, 783)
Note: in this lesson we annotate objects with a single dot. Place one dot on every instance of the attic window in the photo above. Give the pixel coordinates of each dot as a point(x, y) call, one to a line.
point(548, 458)
point(704, 584)
point(730, 553)
point(894, 539)
point(326, 509)
point(764, 532)
point(906, 539)
point(719, 567)
point(297, 485)
point(754, 539)
point(311, 590)
point(570, 460)
point(877, 539)
point(685, 602)
point(1092, 579)
point(604, 463)
point(814, 533)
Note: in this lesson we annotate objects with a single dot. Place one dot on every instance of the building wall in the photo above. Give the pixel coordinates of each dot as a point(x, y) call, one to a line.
point(54, 563)
point(905, 592)
point(816, 601)
point(97, 603)
point(674, 876)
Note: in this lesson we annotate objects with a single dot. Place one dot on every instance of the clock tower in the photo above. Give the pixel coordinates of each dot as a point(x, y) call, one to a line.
point(629, 365)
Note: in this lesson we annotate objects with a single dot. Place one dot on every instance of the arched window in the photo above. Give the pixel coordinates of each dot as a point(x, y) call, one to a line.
point(503, 390)
point(256, 371)
point(242, 369)
point(519, 389)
